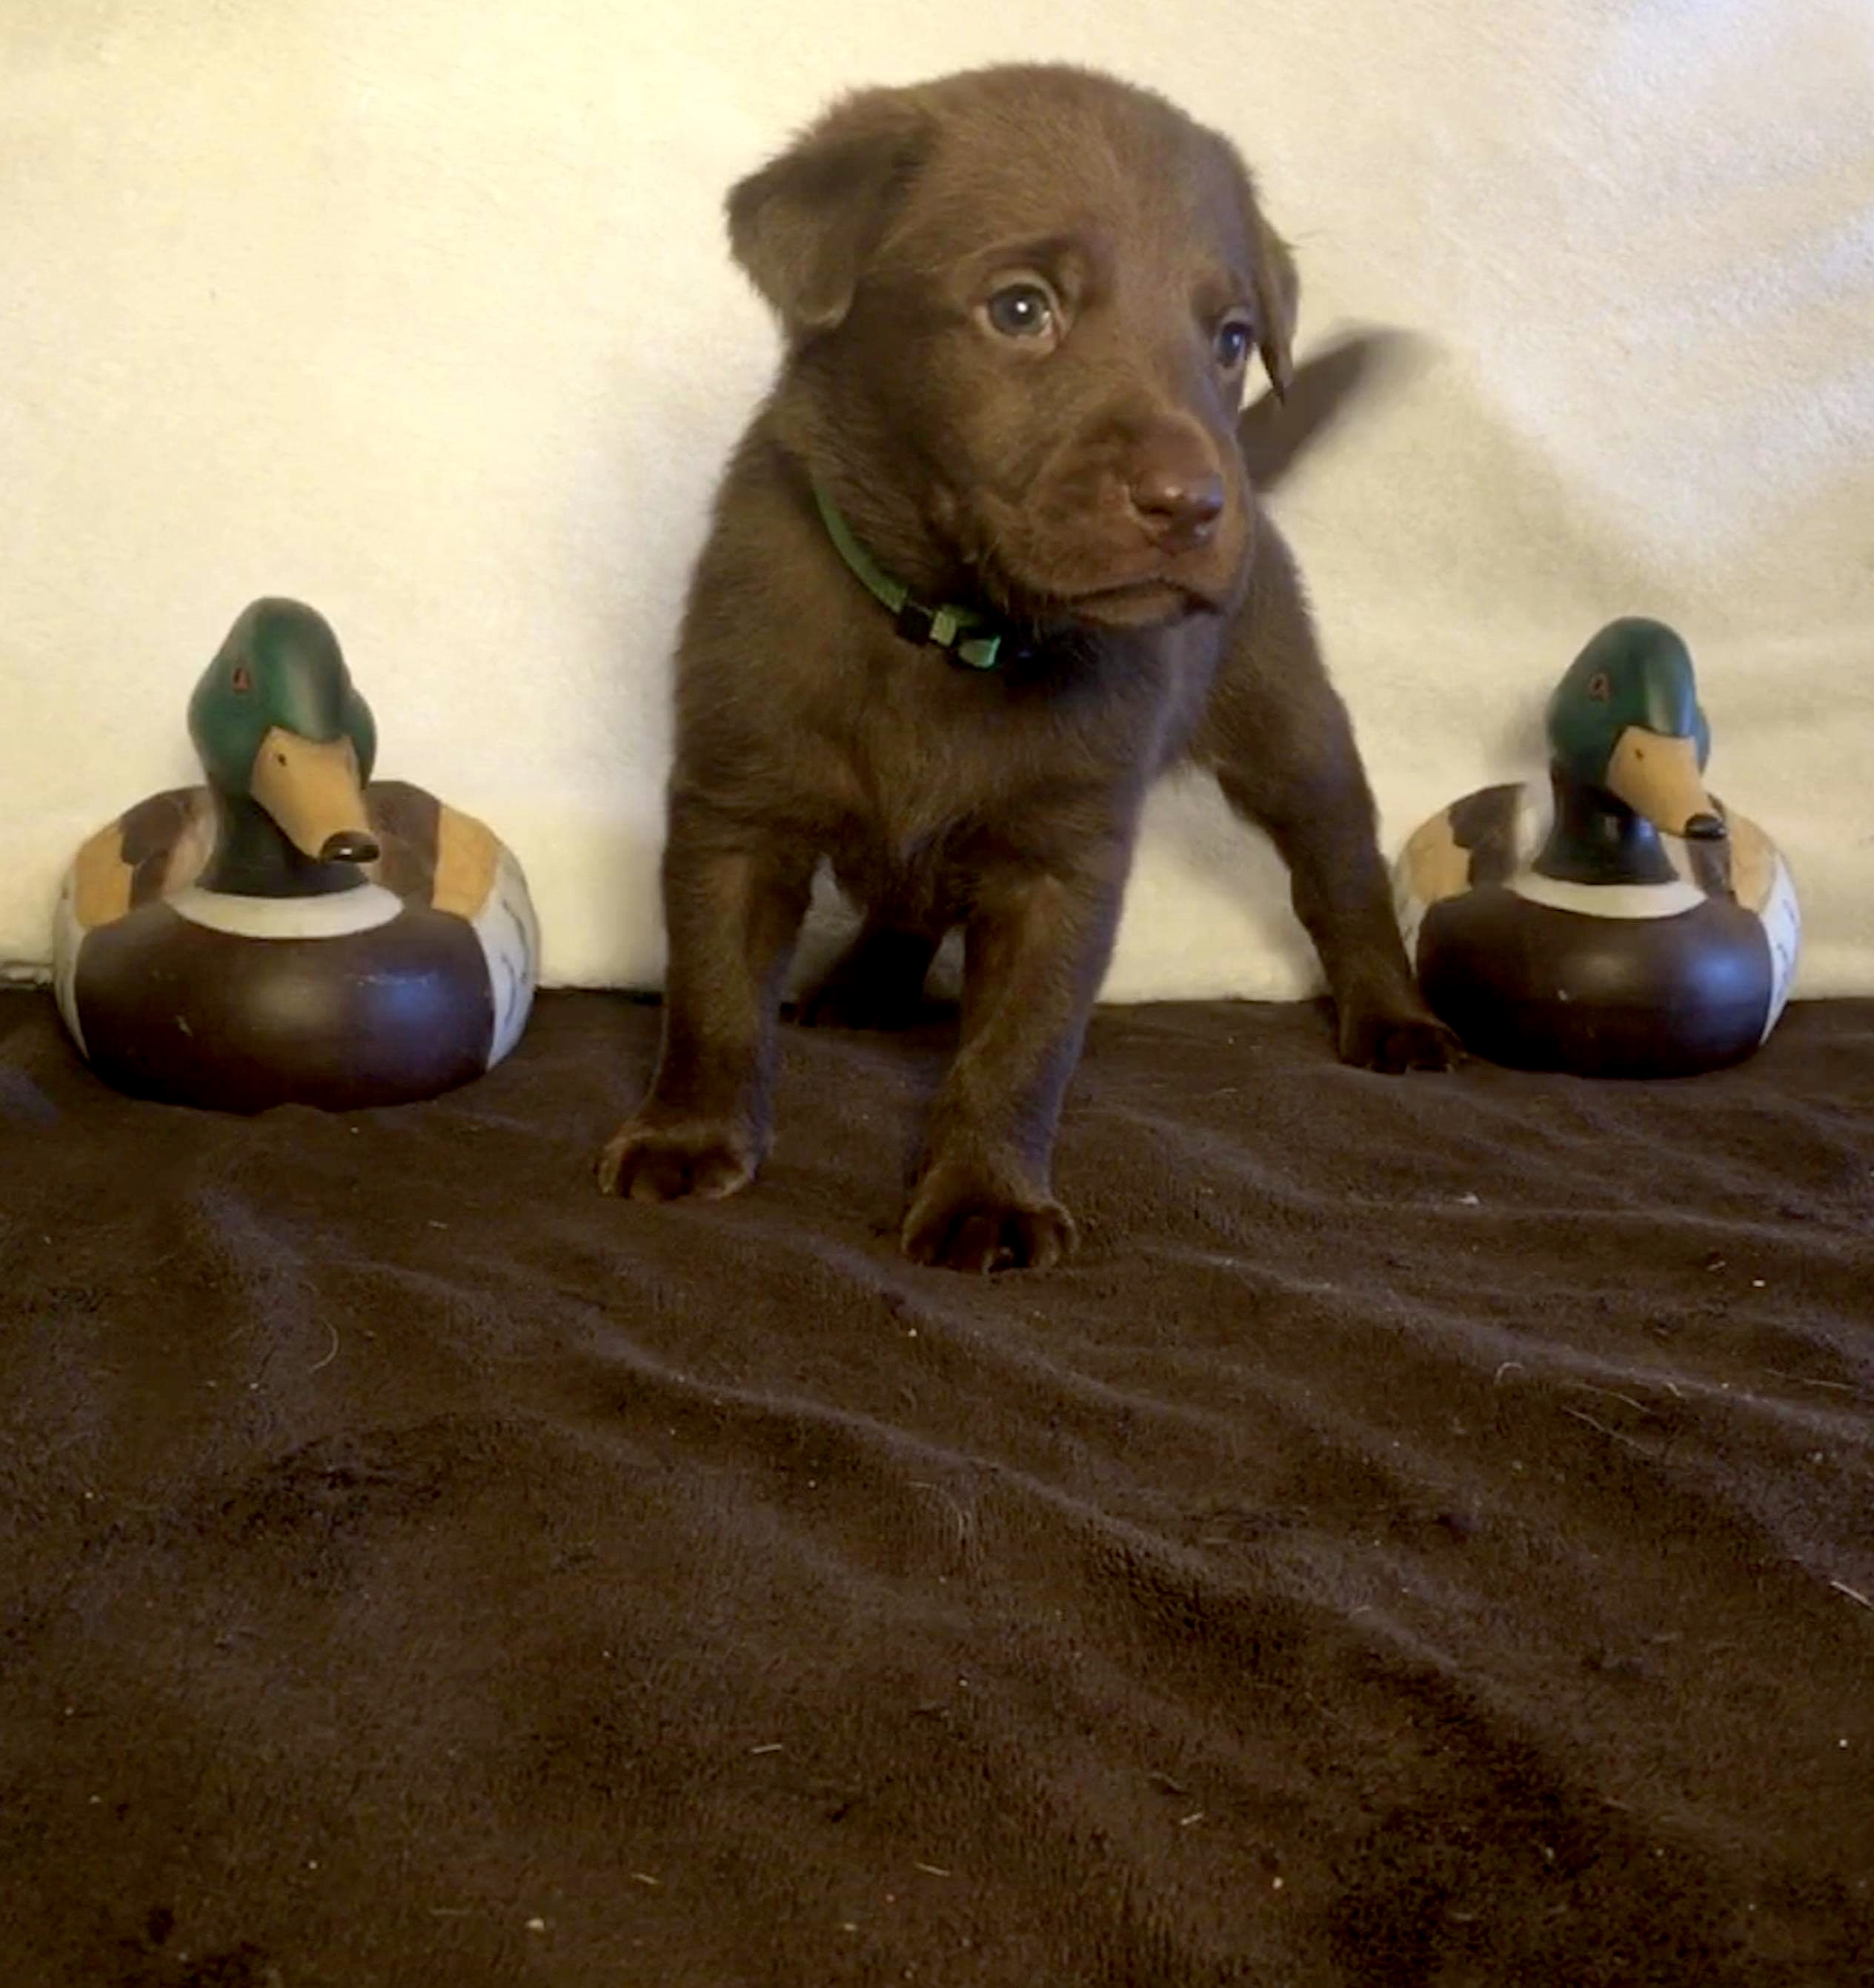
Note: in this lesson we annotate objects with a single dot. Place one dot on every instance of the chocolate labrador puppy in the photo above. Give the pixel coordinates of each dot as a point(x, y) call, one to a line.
point(986, 563)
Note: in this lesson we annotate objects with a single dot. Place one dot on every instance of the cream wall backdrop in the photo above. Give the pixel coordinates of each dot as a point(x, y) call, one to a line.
point(423, 313)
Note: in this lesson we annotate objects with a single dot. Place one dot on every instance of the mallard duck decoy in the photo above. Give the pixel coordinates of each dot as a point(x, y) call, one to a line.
point(293, 932)
point(1616, 919)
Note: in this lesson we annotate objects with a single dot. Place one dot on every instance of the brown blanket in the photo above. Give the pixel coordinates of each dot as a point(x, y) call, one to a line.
point(1428, 1538)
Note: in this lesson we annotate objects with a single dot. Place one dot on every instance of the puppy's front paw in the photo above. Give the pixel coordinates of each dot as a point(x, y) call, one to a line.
point(649, 1162)
point(963, 1221)
point(1395, 1035)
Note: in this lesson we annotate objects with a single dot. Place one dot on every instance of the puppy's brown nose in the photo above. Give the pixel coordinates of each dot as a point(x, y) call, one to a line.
point(1178, 500)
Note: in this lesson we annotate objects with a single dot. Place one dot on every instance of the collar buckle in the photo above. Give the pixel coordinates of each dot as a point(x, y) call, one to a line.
point(947, 627)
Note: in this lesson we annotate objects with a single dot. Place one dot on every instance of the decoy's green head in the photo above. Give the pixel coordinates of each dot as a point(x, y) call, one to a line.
point(1625, 719)
point(277, 721)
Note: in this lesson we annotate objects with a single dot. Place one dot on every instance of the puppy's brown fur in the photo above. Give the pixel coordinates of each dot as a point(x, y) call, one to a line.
point(1018, 304)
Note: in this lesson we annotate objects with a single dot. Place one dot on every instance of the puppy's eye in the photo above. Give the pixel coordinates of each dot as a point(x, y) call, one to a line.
point(1021, 310)
point(1234, 338)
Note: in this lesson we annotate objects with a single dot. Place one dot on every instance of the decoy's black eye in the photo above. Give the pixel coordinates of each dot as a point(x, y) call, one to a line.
point(243, 682)
point(1599, 687)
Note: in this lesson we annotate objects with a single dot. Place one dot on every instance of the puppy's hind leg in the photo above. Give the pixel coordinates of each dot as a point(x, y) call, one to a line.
point(877, 982)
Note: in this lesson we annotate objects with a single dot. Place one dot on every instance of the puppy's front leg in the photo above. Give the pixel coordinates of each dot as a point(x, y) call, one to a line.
point(1035, 948)
point(733, 901)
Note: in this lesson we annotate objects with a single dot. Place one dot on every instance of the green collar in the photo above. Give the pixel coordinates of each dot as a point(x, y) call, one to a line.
point(947, 627)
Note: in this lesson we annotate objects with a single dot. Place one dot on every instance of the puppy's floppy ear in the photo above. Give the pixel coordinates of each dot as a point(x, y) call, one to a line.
point(1278, 290)
point(803, 226)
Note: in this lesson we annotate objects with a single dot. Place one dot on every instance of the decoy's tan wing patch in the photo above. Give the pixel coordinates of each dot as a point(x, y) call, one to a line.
point(101, 880)
point(1753, 863)
point(135, 858)
point(468, 853)
point(1437, 864)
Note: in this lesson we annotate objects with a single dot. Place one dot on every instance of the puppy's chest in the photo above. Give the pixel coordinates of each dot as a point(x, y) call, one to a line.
point(928, 765)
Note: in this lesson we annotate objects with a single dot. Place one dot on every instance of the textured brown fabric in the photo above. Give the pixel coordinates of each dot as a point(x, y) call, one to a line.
point(1426, 1539)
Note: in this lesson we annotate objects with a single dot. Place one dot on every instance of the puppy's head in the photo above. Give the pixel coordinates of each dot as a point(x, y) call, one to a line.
point(1029, 297)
